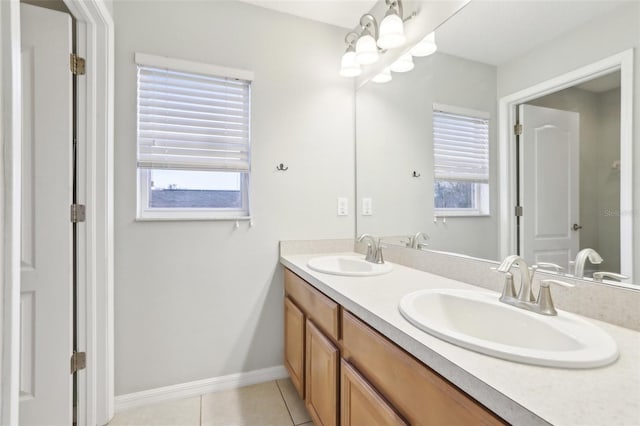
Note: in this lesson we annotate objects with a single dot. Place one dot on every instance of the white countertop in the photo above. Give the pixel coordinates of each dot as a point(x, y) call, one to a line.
point(521, 394)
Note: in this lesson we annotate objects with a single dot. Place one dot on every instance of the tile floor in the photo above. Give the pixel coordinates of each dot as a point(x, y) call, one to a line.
point(266, 404)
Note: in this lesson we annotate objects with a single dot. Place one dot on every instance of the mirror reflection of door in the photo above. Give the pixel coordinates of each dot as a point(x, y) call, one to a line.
point(549, 186)
point(555, 178)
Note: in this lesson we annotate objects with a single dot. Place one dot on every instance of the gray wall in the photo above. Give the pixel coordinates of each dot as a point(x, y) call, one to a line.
point(195, 300)
point(598, 39)
point(599, 184)
point(394, 128)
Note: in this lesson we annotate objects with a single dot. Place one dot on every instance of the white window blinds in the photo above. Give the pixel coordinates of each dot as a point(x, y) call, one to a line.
point(192, 121)
point(460, 146)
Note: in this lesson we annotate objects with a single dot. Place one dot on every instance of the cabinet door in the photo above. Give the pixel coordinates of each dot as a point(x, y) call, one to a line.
point(360, 404)
point(321, 368)
point(294, 344)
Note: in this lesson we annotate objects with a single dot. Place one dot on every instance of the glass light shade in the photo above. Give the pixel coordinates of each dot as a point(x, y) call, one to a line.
point(426, 46)
point(366, 49)
point(391, 32)
point(403, 64)
point(383, 77)
point(349, 67)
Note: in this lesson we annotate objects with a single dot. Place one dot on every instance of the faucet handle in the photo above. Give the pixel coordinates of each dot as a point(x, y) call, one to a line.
point(549, 265)
point(600, 275)
point(544, 302)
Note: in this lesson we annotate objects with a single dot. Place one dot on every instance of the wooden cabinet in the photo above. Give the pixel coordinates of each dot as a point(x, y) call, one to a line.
point(349, 374)
point(294, 330)
point(422, 396)
point(321, 377)
point(324, 312)
point(361, 404)
point(312, 332)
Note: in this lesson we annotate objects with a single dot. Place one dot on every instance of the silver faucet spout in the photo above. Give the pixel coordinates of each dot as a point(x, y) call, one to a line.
point(524, 294)
point(581, 260)
point(416, 238)
point(372, 247)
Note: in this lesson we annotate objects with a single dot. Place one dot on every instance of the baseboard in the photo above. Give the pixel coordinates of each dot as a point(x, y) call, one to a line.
point(199, 387)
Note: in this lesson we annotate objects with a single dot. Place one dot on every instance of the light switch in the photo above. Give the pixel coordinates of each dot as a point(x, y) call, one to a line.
point(367, 207)
point(343, 206)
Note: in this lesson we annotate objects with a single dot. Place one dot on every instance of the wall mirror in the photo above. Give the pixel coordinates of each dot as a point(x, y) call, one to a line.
point(410, 180)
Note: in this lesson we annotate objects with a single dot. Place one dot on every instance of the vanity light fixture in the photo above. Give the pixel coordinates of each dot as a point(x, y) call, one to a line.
point(403, 64)
point(426, 46)
point(366, 48)
point(349, 66)
point(392, 27)
point(383, 77)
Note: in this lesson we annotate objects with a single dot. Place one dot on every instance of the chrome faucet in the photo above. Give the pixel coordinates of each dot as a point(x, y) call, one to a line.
point(581, 259)
point(524, 300)
point(374, 249)
point(524, 294)
point(414, 240)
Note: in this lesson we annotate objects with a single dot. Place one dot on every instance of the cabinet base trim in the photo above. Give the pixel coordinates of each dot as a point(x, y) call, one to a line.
point(198, 387)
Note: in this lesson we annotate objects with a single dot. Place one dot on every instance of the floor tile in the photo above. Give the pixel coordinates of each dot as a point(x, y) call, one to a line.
point(259, 404)
point(184, 412)
point(294, 403)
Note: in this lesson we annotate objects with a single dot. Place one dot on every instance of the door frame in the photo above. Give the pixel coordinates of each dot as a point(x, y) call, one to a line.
point(507, 105)
point(95, 237)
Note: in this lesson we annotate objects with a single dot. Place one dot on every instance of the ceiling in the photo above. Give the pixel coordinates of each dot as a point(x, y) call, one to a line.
point(494, 32)
point(488, 31)
point(341, 13)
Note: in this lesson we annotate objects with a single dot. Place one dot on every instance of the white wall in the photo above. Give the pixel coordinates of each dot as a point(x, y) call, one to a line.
point(604, 36)
point(196, 300)
point(394, 128)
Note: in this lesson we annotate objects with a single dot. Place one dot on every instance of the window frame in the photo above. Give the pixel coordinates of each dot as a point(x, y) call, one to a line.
point(146, 213)
point(189, 213)
point(482, 190)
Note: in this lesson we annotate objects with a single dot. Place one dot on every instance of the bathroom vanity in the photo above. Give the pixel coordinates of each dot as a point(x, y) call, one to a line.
point(379, 382)
point(354, 359)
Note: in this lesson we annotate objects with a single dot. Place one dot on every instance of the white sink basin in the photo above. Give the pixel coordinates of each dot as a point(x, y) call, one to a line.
point(352, 266)
point(479, 321)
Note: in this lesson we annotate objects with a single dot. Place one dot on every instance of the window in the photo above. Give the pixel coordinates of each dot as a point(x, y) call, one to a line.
point(461, 161)
point(193, 140)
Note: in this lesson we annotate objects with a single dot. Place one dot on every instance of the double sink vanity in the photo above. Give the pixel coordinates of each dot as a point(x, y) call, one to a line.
point(394, 343)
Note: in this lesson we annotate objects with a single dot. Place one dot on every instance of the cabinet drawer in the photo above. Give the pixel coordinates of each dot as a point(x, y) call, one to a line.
point(416, 391)
point(324, 312)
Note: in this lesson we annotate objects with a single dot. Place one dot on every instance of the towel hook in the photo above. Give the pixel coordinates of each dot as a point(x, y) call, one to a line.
point(415, 174)
point(281, 168)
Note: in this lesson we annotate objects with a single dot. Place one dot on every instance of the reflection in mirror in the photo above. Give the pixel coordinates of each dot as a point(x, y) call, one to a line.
point(570, 175)
point(399, 154)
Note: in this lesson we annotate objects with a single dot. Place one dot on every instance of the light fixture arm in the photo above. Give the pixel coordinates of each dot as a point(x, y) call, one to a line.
point(368, 21)
point(351, 38)
point(397, 5)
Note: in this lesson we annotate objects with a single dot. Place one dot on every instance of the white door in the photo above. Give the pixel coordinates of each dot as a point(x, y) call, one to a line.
point(46, 259)
point(549, 184)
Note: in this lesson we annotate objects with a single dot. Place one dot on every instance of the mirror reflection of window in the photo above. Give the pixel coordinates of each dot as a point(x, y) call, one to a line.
point(461, 161)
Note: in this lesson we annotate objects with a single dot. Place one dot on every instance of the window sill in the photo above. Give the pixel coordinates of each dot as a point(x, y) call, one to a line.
point(459, 213)
point(192, 218)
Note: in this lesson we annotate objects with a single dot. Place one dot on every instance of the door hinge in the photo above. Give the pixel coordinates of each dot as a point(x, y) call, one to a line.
point(77, 64)
point(78, 213)
point(518, 210)
point(517, 129)
point(78, 361)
